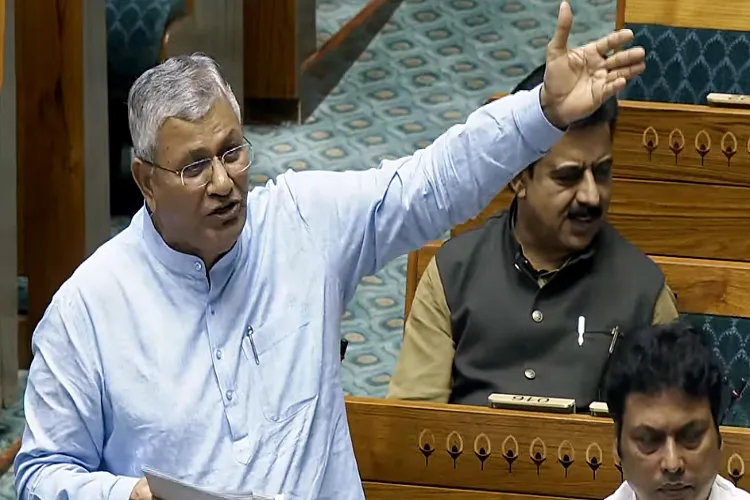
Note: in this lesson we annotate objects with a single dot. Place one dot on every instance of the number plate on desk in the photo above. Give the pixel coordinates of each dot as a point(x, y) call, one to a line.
point(599, 409)
point(532, 403)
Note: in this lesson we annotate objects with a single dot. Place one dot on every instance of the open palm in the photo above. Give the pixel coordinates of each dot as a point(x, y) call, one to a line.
point(577, 81)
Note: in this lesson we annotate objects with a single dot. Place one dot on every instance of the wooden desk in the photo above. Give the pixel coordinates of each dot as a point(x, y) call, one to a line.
point(428, 450)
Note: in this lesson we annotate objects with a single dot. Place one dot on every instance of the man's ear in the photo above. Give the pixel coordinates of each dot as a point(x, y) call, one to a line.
point(143, 175)
point(518, 185)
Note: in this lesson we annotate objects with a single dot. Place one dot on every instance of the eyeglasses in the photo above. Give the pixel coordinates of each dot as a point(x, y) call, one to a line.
point(199, 173)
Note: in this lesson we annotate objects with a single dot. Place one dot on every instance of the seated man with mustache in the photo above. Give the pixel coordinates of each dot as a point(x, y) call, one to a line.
point(667, 396)
point(497, 310)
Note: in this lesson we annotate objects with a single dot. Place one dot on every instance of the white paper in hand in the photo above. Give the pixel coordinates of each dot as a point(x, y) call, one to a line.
point(164, 487)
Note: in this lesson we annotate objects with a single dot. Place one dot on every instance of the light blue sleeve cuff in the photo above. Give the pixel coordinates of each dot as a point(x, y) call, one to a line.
point(537, 132)
point(122, 488)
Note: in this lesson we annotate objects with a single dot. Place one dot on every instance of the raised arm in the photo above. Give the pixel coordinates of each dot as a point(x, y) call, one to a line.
point(64, 435)
point(364, 219)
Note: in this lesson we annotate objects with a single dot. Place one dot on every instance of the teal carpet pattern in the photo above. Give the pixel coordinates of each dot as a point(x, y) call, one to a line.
point(432, 64)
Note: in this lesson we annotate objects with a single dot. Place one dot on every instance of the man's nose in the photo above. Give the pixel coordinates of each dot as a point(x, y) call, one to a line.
point(588, 190)
point(672, 462)
point(221, 182)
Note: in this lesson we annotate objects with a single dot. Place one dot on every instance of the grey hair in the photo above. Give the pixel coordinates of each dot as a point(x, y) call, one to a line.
point(183, 87)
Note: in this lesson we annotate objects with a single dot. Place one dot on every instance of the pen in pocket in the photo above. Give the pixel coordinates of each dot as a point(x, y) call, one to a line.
point(614, 333)
point(250, 333)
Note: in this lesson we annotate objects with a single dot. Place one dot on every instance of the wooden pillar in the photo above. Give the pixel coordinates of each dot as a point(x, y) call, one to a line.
point(278, 36)
point(286, 75)
point(213, 27)
point(620, 19)
point(8, 268)
point(63, 205)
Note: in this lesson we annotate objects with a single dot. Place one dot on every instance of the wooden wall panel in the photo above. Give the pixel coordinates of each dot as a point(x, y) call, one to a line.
point(62, 147)
point(682, 219)
point(468, 447)
point(690, 127)
point(8, 258)
point(689, 14)
point(706, 286)
point(713, 127)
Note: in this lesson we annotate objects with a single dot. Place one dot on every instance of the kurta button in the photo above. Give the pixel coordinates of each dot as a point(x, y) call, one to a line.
point(218, 354)
point(230, 395)
point(530, 374)
point(537, 316)
point(198, 266)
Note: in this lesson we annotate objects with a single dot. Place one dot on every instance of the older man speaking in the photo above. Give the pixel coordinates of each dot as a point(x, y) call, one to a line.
point(203, 340)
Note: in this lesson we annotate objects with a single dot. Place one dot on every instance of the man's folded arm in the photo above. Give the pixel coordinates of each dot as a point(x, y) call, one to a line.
point(62, 443)
point(364, 219)
point(424, 368)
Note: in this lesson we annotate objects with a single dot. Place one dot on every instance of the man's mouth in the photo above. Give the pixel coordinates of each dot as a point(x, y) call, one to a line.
point(675, 490)
point(583, 220)
point(585, 214)
point(228, 210)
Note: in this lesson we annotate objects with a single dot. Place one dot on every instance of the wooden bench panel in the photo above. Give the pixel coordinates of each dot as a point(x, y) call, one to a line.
point(649, 134)
point(390, 442)
point(683, 123)
point(683, 219)
point(705, 286)
point(702, 286)
point(689, 14)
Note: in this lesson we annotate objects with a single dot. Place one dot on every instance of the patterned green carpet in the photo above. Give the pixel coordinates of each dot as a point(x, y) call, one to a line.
point(433, 63)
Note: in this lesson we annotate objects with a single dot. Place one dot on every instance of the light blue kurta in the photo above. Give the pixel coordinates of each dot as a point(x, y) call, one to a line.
point(232, 382)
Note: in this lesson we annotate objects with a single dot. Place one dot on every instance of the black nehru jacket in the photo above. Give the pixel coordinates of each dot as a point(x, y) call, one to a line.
point(514, 337)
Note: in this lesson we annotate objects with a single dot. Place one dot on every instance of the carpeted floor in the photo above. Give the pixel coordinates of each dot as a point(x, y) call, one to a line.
point(435, 62)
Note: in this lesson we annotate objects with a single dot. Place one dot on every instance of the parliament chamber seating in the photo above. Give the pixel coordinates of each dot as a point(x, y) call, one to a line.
point(427, 450)
point(681, 194)
point(682, 173)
